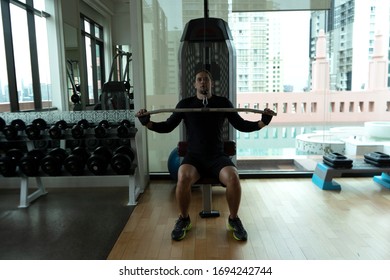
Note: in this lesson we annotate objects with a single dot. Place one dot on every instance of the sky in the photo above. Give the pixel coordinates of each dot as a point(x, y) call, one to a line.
point(295, 48)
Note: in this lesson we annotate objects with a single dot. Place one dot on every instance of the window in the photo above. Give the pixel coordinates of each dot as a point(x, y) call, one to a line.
point(24, 79)
point(92, 34)
point(267, 56)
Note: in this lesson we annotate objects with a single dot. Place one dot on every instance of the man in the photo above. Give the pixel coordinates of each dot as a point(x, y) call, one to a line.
point(205, 152)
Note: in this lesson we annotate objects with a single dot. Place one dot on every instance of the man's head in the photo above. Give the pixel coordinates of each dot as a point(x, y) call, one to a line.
point(203, 82)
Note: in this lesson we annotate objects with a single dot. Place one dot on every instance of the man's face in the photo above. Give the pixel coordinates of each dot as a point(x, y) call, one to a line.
point(203, 82)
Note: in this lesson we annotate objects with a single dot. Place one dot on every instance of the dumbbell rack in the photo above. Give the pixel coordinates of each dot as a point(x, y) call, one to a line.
point(27, 197)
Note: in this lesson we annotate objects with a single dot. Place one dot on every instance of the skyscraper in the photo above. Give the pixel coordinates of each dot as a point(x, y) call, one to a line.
point(351, 26)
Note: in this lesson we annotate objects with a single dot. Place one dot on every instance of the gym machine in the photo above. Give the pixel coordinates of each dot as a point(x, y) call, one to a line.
point(207, 44)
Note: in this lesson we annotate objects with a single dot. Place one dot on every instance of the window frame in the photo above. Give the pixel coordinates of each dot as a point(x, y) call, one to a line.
point(95, 41)
point(31, 12)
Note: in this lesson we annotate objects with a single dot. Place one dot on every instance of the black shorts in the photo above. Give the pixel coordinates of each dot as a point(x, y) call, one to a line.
point(208, 166)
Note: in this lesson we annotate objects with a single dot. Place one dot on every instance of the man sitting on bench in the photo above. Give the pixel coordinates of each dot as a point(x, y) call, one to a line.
point(205, 153)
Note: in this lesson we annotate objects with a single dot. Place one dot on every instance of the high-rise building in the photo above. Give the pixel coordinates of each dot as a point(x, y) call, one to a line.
point(257, 42)
point(350, 27)
point(156, 59)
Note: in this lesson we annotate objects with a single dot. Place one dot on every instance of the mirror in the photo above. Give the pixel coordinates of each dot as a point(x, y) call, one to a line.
point(117, 91)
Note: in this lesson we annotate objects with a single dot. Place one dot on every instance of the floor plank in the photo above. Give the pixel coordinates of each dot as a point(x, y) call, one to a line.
point(286, 219)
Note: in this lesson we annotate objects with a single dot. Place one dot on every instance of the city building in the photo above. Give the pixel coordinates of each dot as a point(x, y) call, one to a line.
point(350, 27)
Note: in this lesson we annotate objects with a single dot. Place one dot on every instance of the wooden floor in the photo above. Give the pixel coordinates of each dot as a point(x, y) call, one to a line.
point(285, 219)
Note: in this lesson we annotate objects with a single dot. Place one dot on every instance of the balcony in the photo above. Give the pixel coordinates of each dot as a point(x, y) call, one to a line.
point(322, 106)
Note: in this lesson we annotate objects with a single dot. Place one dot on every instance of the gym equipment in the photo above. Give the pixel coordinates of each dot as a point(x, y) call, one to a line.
point(122, 160)
point(92, 143)
point(209, 110)
point(57, 130)
point(52, 163)
point(323, 174)
point(123, 129)
point(76, 161)
point(337, 160)
point(101, 129)
point(110, 143)
point(207, 183)
point(377, 158)
point(116, 93)
point(207, 43)
point(15, 154)
point(73, 143)
point(9, 162)
point(78, 130)
point(18, 124)
point(40, 123)
point(173, 163)
point(34, 130)
point(11, 131)
point(30, 163)
point(8, 166)
point(76, 95)
point(76, 98)
point(81, 152)
point(99, 160)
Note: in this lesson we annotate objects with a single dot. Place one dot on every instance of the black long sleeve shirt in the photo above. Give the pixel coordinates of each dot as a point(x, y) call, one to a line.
point(204, 130)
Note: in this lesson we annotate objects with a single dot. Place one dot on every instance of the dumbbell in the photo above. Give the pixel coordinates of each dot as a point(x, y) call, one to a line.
point(7, 166)
point(79, 128)
point(34, 130)
point(92, 143)
point(30, 163)
point(122, 160)
point(101, 129)
point(52, 163)
point(76, 98)
point(123, 130)
point(56, 131)
point(99, 160)
point(9, 162)
point(11, 131)
point(15, 154)
point(76, 161)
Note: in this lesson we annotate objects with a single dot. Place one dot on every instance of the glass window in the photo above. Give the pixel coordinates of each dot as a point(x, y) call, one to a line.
point(4, 90)
point(94, 58)
point(264, 43)
point(88, 56)
point(25, 77)
point(21, 56)
point(44, 64)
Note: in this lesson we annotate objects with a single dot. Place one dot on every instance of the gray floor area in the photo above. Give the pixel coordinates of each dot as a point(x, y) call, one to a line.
point(65, 224)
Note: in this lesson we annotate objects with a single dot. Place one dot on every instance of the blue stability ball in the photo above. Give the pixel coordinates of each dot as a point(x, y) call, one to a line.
point(174, 163)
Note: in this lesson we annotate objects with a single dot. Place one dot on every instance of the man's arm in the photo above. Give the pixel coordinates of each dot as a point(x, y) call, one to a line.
point(162, 127)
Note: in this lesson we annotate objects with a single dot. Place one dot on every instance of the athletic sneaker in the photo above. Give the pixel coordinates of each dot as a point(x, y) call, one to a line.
point(235, 225)
point(181, 227)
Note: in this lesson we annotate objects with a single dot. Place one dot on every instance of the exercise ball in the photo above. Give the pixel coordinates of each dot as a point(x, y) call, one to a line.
point(174, 163)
